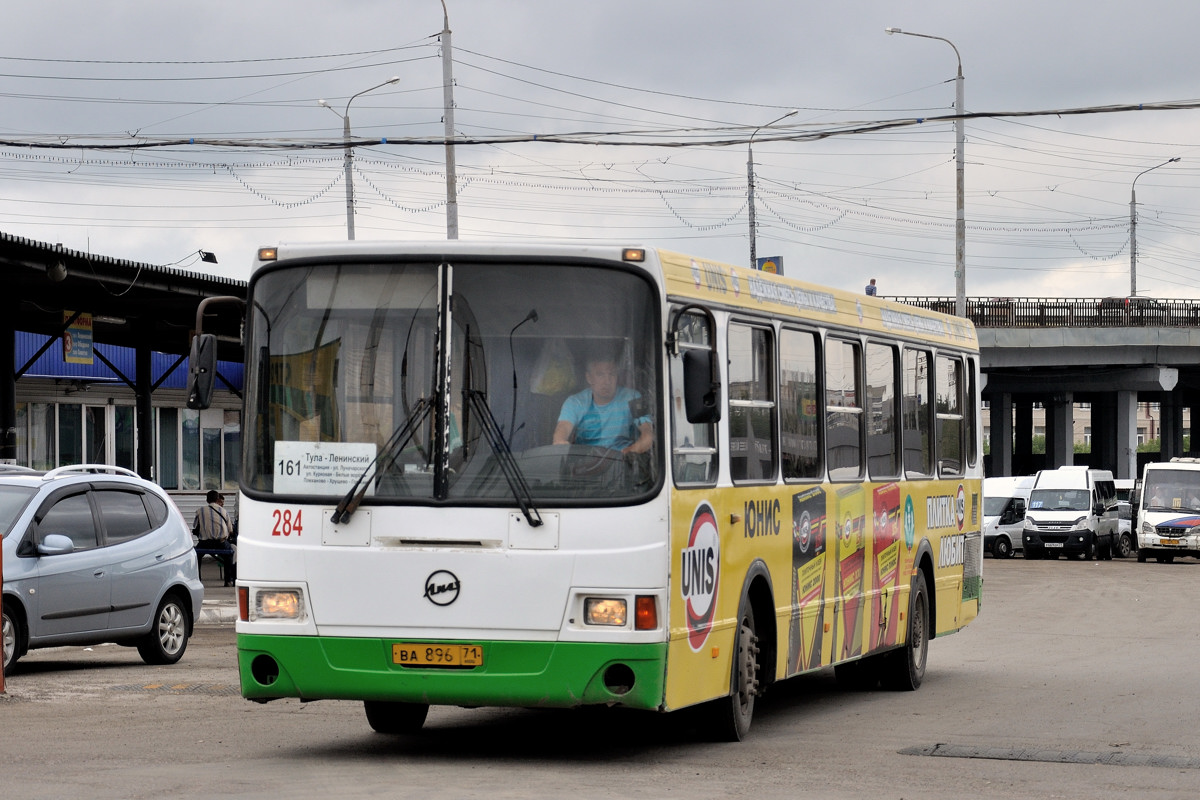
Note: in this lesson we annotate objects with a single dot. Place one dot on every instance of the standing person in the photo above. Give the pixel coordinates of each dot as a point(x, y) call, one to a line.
point(213, 528)
point(601, 415)
point(870, 290)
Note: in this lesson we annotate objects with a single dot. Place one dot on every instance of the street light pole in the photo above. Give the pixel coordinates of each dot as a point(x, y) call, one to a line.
point(1133, 226)
point(750, 184)
point(960, 218)
point(348, 159)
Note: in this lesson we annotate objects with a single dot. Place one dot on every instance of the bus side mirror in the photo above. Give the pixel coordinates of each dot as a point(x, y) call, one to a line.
point(202, 371)
point(701, 387)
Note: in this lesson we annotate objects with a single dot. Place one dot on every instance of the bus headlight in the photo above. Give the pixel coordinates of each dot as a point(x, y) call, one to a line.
point(278, 604)
point(605, 611)
point(1147, 529)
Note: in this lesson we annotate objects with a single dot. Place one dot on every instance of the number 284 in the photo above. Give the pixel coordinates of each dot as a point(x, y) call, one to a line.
point(287, 522)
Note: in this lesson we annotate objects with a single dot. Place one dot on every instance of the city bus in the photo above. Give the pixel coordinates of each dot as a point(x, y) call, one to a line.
point(798, 487)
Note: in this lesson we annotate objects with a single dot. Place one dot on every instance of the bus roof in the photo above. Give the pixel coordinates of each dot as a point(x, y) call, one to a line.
point(688, 277)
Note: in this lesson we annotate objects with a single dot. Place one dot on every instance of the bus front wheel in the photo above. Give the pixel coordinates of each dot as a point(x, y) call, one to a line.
point(903, 669)
point(395, 718)
point(730, 716)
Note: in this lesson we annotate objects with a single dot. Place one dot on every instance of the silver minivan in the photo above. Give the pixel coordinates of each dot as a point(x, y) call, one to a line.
point(92, 554)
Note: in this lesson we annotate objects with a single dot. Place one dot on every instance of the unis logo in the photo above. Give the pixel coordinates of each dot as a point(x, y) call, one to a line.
point(698, 575)
point(960, 507)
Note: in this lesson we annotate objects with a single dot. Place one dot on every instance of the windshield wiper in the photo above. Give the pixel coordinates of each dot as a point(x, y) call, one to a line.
point(504, 456)
point(391, 450)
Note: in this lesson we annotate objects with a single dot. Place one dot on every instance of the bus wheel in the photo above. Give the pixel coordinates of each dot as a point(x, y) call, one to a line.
point(395, 718)
point(903, 669)
point(730, 716)
point(1141, 556)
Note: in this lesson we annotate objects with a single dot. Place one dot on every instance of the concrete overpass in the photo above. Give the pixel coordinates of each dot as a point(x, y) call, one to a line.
point(1109, 352)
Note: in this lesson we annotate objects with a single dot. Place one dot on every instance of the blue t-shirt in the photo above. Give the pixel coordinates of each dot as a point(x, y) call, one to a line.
point(611, 425)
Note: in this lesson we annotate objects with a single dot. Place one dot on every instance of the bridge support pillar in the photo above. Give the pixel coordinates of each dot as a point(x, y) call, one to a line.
point(1023, 437)
point(1060, 431)
point(1104, 442)
point(1126, 435)
point(1171, 441)
point(1001, 436)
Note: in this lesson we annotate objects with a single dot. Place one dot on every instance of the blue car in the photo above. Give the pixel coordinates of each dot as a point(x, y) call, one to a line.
point(94, 554)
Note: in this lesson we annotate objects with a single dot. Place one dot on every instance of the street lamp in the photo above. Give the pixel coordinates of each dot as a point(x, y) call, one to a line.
point(960, 219)
point(349, 157)
point(750, 183)
point(1133, 225)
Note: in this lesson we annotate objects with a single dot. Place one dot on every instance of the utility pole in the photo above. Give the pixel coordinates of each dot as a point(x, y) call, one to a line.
point(448, 118)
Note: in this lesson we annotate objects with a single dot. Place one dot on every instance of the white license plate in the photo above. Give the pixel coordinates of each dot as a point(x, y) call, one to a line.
point(1054, 544)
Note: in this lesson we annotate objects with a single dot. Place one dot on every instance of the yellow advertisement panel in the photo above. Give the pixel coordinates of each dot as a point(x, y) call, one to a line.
point(839, 561)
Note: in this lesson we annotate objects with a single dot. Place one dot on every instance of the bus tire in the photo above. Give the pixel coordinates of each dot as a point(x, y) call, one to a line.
point(730, 716)
point(903, 669)
point(395, 718)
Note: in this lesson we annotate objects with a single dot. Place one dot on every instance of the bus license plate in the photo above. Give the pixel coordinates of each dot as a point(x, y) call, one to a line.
point(1054, 544)
point(437, 654)
point(1170, 542)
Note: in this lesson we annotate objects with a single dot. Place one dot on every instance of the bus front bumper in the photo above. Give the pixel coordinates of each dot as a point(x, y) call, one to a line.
point(514, 674)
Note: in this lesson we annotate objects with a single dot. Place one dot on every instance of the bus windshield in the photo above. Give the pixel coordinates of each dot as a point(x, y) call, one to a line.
point(1171, 490)
point(347, 380)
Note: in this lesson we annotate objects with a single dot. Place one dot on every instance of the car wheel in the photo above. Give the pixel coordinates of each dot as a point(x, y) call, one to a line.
point(1002, 547)
point(1125, 545)
point(904, 669)
point(730, 716)
point(168, 636)
point(395, 718)
point(13, 636)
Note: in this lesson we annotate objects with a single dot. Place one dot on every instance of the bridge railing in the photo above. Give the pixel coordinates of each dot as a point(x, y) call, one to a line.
point(1063, 312)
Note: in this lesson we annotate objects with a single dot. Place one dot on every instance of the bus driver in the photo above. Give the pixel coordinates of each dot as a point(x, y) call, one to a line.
point(601, 415)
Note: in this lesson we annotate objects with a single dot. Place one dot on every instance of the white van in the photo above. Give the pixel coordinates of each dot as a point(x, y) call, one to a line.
point(1072, 510)
point(1004, 504)
point(1169, 515)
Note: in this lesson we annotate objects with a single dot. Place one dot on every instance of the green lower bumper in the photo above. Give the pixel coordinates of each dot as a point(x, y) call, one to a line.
point(545, 674)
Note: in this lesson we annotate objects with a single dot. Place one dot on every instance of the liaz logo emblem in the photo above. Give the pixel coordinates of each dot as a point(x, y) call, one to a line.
point(441, 588)
point(699, 571)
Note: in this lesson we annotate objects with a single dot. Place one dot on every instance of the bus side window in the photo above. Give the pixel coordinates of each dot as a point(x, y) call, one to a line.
point(950, 431)
point(694, 454)
point(915, 407)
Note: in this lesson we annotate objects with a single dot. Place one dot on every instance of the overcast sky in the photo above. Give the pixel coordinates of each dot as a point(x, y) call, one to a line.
point(1047, 197)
